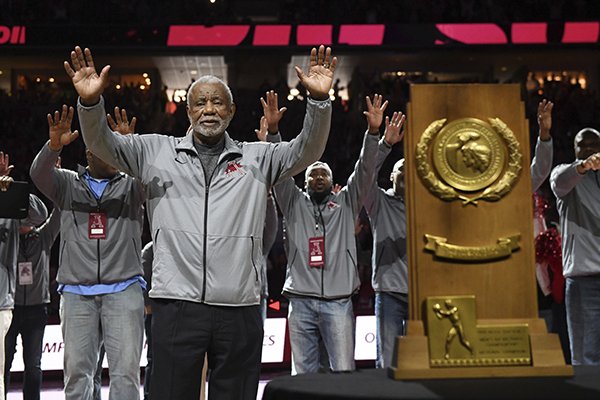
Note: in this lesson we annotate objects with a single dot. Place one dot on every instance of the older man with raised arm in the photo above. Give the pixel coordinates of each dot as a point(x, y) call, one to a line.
point(206, 203)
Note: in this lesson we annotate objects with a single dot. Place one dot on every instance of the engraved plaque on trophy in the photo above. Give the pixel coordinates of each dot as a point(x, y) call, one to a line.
point(456, 340)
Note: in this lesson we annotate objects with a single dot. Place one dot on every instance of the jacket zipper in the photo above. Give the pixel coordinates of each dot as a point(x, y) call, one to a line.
point(324, 253)
point(87, 186)
point(204, 244)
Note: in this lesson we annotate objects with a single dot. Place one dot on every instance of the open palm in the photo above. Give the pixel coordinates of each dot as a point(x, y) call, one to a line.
point(121, 122)
point(393, 128)
point(271, 111)
point(319, 77)
point(375, 112)
point(82, 71)
point(60, 128)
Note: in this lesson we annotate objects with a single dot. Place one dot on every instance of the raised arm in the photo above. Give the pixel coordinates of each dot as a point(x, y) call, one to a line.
point(362, 180)
point(44, 173)
point(393, 134)
point(286, 190)
point(292, 157)
point(541, 165)
point(123, 152)
point(565, 177)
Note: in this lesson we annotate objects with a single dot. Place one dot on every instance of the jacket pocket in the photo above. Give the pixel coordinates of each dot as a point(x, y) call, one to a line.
point(351, 258)
point(232, 270)
point(252, 257)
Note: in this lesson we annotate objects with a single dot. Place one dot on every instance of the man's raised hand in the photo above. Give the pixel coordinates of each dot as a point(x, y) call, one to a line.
point(82, 71)
point(319, 77)
point(60, 128)
point(393, 128)
point(121, 123)
point(544, 118)
point(262, 131)
point(374, 113)
point(271, 111)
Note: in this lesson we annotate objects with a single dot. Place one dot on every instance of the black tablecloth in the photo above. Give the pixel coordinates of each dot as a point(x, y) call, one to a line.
point(374, 384)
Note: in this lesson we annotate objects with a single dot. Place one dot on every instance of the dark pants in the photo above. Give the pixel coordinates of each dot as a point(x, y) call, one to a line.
point(182, 332)
point(148, 369)
point(29, 322)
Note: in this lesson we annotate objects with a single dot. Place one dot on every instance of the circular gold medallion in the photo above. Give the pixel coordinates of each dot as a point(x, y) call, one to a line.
point(468, 154)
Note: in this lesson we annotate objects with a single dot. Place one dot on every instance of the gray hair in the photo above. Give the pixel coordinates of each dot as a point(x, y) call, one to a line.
point(211, 79)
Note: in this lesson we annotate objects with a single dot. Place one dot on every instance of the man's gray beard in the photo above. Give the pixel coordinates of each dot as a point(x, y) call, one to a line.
point(211, 132)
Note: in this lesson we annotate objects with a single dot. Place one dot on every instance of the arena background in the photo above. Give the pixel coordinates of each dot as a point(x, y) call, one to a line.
point(156, 49)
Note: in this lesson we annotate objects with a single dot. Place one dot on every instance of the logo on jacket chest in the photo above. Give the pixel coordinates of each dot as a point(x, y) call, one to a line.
point(234, 168)
point(332, 205)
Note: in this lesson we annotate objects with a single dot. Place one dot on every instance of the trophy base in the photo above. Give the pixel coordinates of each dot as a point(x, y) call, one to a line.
point(413, 363)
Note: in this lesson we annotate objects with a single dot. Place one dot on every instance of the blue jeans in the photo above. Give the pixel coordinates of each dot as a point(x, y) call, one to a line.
point(582, 299)
point(390, 314)
point(332, 320)
point(29, 322)
point(86, 321)
point(97, 395)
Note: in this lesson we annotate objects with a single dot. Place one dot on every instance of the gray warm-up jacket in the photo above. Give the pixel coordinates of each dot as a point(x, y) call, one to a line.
point(336, 217)
point(9, 249)
point(85, 261)
point(578, 203)
point(208, 244)
point(34, 248)
point(387, 214)
point(541, 165)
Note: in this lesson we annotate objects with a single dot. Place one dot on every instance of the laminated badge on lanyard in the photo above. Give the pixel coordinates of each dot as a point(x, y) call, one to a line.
point(97, 225)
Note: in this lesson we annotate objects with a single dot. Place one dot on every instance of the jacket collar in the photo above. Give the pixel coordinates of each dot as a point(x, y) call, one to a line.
point(187, 144)
point(81, 170)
